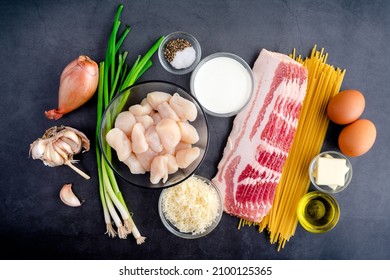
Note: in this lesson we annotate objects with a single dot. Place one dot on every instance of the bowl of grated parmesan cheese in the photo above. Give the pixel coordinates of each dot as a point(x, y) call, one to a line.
point(191, 209)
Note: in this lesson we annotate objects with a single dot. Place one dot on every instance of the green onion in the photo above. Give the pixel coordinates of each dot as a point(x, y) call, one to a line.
point(115, 77)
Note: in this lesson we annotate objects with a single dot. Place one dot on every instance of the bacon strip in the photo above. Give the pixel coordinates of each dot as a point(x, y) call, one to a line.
point(261, 137)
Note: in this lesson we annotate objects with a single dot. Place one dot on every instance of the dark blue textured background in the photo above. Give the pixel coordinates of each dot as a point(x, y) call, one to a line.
point(38, 39)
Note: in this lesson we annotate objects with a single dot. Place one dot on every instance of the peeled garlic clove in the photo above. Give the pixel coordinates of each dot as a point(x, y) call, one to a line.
point(68, 197)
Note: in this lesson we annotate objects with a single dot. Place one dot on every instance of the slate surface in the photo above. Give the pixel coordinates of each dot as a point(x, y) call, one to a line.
point(37, 40)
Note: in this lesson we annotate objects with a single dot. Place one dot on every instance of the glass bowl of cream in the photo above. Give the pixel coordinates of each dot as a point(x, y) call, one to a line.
point(223, 84)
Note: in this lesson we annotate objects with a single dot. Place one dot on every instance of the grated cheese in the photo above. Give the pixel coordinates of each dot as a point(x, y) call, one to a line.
point(191, 206)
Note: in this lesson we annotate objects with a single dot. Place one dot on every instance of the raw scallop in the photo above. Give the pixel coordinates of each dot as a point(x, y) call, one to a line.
point(184, 108)
point(155, 98)
point(156, 117)
point(119, 141)
point(141, 109)
point(146, 158)
point(169, 133)
point(134, 165)
point(125, 122)
point(182, 146)
point(166, 111)
point(188, 133)
point(185, 157)
point(153, 139)
point(159, 169)
point(138, 137)
point(172, 164)
point(145, 120)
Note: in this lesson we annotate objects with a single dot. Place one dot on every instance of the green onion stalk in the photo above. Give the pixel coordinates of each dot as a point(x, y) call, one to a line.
point(115, 76)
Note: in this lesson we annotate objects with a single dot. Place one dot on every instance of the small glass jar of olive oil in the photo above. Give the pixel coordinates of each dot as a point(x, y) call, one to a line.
point(318, 212)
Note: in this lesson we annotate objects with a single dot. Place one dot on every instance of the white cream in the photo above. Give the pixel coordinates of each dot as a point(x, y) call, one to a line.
point(222, 85)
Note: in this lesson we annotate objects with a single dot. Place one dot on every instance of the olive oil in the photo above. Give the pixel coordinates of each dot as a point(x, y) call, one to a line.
point(318, 212)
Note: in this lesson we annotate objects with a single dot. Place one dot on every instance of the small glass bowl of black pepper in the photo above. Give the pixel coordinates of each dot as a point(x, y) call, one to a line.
point(179, 53)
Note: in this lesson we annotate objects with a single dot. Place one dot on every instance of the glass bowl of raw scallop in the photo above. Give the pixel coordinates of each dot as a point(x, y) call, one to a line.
point(179, 53)
point(330, 172)
point(191, 209)
point(154, 134)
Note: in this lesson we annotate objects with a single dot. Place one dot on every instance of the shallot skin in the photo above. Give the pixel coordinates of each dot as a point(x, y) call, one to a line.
point(78, 83)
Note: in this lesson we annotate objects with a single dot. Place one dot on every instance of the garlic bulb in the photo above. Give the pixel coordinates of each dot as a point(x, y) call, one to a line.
point(58, 145)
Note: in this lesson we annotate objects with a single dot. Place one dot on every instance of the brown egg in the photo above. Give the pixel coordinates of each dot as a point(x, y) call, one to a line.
point(357, 138)
point(346, 106)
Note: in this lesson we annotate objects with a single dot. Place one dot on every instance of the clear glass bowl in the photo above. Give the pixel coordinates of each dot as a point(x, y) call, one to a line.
point(179, 35)
point(318, 212)
point(216, 79)
point(326, 188)
point(185, 235)
point(134, 95)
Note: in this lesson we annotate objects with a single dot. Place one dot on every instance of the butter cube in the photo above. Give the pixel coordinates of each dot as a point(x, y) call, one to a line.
point(331, 172)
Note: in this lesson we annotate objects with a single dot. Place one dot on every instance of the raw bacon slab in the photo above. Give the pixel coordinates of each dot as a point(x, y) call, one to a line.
point(261, 137)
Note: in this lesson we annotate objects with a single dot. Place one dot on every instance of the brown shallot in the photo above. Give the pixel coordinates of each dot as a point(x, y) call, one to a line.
point(78, 83)
point(58, 145)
